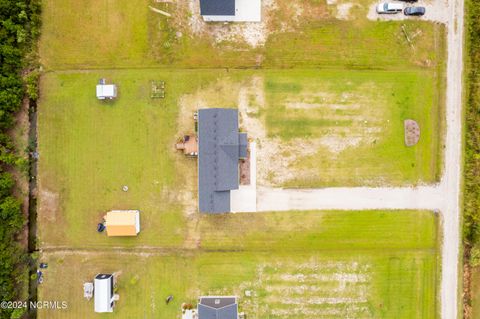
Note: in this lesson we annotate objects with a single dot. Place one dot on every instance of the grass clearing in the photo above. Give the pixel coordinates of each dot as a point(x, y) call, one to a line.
point(346, 128)
point(89, 150)
point(130, 35)
point(298, 264)
point(318, 128)
point(373, 277)
point(475, 291)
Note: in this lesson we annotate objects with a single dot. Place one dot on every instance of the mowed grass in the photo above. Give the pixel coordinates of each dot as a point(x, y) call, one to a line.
point(106, 34)
point(370, 276)
point(89, 149)
point(94, 33)
point(317, 128)
point(357, 118)
point(475, 282)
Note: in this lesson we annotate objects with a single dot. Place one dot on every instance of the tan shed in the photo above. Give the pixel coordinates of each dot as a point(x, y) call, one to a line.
point(122, 222)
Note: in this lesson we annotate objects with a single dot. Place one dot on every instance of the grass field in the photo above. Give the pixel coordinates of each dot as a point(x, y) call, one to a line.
point(128, 34)
point(349, 126)
point(89, 149)
point(475, 282)
point(338, 91)
point(341, 264)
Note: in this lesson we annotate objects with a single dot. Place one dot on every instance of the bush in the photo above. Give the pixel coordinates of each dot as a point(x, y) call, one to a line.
point(475, 257)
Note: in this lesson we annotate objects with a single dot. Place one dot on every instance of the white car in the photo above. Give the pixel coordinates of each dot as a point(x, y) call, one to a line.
point(389, 8)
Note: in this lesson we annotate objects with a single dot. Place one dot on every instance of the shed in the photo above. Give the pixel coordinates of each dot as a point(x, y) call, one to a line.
point(218, 307)
point(122, 222)
point(106, 91)
point(104, 299)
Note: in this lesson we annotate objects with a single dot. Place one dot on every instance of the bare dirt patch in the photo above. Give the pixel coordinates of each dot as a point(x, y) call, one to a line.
point(343, 11)
point(48, 205)
point(277, 16)
point(310, 289)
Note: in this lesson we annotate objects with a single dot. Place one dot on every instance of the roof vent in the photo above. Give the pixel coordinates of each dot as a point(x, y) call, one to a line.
point(217, 301)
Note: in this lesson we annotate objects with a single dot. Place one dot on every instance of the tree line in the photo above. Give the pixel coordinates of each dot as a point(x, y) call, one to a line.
point(19, 30)
point(472, 142)
point(471, 221)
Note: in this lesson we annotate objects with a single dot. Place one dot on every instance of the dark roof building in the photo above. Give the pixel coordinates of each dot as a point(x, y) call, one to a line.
point(231, 10)
point(217, 308)
point(220, 146)
point(217, 7)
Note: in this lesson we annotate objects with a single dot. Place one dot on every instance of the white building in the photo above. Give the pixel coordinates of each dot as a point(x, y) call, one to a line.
point(231, 10)
point(104, 297)
point(106, 91)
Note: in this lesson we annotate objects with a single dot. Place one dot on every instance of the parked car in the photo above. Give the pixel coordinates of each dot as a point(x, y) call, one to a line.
point(390, 8)
point(414, 11)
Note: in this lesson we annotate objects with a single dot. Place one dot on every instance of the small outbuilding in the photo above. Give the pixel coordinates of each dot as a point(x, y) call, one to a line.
point(105, 297)
point(106, 91)
point(122, 222)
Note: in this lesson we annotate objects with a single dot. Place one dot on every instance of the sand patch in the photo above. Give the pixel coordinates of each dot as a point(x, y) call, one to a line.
point(343, 11)
point(48, 205)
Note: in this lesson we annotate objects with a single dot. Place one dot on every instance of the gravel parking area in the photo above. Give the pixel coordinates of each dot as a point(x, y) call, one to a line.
point(436, 10)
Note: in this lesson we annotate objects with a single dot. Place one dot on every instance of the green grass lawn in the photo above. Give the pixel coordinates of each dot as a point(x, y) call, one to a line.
point(475, 282)
point(321, 78)
point(108, 34)
point(353, 121)
point(89, 149)
point(361, 264)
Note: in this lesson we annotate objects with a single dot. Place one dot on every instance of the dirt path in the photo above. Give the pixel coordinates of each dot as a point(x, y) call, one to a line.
point(453, 162)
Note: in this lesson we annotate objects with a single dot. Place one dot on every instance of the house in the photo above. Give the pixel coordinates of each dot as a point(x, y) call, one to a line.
point(231, 10)
point(217, 308)
point(220, 147)
point(106, 91)
point(122, 222)
point(104, 297)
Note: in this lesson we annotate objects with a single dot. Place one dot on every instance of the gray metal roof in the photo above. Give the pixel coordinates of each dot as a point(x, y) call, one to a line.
point(218, 308)
point(243, 145)
point(219, 148)
point(217, 7)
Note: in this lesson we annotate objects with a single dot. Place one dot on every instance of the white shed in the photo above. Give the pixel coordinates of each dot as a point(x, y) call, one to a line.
point(104, 293)
point(106, 91)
